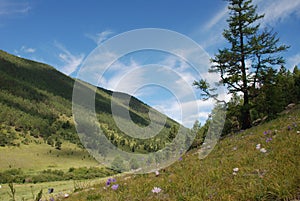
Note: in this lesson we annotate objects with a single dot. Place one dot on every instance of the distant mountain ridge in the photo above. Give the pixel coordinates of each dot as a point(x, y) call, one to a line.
point(36, 101)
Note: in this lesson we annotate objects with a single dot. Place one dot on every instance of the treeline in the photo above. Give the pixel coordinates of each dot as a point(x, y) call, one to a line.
point(18, 176)
point(275, 92)
point(277, 89)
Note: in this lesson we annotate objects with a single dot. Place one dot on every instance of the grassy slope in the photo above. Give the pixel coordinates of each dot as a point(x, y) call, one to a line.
point(38, 157)
point(34, 97)
point(273, 175)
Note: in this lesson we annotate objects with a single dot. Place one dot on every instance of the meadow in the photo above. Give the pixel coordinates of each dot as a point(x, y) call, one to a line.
point(44, 157)
point(261, 163)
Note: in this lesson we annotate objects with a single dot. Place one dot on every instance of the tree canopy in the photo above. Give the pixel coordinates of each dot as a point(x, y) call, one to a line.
point(251, 52)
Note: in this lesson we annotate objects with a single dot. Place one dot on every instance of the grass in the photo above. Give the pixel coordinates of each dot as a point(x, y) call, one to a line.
point(37, 157)
point(273, 175)
point(28, 191)
point(34, 158)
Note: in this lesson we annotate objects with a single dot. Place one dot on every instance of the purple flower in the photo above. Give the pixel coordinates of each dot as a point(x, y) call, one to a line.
point(180, 159)
point(266, 132)
point(115, 186)
point(110, 180)
point(269, 139)
point(289, 128)
point(51, 199)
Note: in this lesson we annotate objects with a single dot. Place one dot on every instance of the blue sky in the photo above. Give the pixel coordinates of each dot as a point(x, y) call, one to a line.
point(63, 33)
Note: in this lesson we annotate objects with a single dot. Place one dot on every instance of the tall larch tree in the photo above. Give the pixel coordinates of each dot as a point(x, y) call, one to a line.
point(250, 52)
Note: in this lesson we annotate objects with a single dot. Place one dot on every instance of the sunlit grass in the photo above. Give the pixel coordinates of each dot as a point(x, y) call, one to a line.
point(273, 175)
point(37, 157)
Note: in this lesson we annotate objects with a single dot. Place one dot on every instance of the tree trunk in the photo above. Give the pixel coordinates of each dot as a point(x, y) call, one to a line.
point(246, 118)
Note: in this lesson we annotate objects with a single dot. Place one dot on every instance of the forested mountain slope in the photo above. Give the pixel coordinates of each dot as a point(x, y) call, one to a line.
point(36, 101)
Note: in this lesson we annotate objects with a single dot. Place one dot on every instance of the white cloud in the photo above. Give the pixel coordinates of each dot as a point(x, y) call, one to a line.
point(275, 11)
point(100, 37)
point(27, 49)
point(278, 10)
point(13, 7)
point(71, 62)
point(187, 112)
point(293, 61)
point(219, 17)
point(125, 77)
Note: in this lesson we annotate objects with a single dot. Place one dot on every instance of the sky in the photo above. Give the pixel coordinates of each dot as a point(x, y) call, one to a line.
point(64, 33)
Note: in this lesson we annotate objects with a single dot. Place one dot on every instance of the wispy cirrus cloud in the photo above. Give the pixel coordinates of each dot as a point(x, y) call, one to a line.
point(219, 17)
point(100, 37)
point(70, 61)
point(12, 7)
point(276, 11)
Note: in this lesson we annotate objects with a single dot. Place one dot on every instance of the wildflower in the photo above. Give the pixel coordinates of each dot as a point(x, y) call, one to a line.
point(156, 190)
point(0, 186)
point(66, 195)
point(298, 132)
point(269, 139)
point(115, 186)
point(180, 159)
point(265, 132)
point(289, 128)
point(52, 199)
point(258, 146)
point(234, 173)
point(263, 150)
point(110, 180)
point(156, 173)
point(235, 169)
point(234, 148)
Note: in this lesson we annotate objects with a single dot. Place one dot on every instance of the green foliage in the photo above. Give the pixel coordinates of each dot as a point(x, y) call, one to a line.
point(36, 99)
point(246, 43)
point(18, 176)
point(58, 144)
point(39, 195)
point(118, 164)
point(12, 192)
point(200, 133)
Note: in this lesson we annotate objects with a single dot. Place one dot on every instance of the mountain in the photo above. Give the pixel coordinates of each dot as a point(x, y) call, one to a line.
point(36, 102)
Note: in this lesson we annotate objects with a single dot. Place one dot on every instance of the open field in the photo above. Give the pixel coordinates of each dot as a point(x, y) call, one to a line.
point(37, 157)
point(28, 191)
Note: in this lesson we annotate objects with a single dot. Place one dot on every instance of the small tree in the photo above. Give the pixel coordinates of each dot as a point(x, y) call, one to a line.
point(246, 43)
point(58, 144)
point(172, 133)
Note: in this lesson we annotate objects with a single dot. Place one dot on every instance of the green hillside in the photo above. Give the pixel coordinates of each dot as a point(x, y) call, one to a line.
point(36, 110)
point(238, 168)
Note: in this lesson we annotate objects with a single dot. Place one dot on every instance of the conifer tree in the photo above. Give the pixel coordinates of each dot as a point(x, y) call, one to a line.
point(249, 53)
